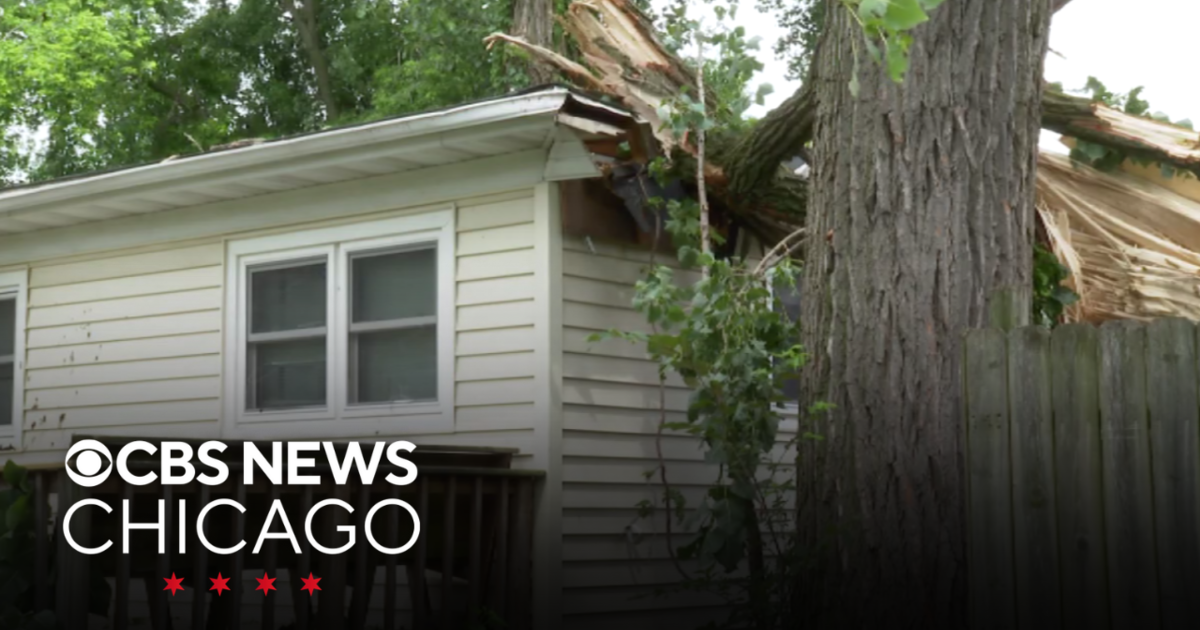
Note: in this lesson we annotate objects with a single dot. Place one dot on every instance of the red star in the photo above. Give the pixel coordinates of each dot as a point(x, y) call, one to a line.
point(219, 584)
point(174, 584)
point(310, 584)
point(265, 584)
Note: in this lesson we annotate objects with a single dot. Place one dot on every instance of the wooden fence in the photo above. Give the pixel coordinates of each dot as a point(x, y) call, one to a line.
point(1083, 470)
point(470, 566)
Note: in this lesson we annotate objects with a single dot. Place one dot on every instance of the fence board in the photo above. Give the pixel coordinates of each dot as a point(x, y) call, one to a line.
point(1128, 495)
point(1172, 402)
point(1103, 440)
point(1075, 381)
point(989, 479)
point(1035, 527)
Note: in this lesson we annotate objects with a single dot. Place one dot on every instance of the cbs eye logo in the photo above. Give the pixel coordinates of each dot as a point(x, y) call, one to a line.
point(89, 463)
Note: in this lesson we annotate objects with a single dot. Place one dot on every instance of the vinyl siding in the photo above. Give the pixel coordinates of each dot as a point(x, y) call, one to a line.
point(612, 406)
point(130, 343)
point(127, 345)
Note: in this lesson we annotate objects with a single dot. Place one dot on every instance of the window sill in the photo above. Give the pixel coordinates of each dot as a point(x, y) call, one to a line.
point(377, 420)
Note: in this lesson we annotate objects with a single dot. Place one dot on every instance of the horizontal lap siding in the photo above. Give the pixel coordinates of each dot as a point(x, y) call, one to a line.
point(130, 344)
point(126, 345)
point(612, 405)
point(494, 364)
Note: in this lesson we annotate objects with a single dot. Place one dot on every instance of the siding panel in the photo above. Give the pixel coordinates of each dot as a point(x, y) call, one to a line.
point(126, 329)
point(128, 286)
point(130, 343)
point(125, 308)
point(135, 350)
point(130, 265)
point(128, 372)
point(612, 408)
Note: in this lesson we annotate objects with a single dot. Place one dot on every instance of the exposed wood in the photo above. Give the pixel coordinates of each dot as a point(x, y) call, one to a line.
point(1137, 136)
point(1133, 248)
point(1035, 525)
point(1076, 399)
point(625, 60)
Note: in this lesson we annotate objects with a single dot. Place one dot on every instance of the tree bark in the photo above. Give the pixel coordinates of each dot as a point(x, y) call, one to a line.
point(533, 21)
point(305, 20)
point(922, 204)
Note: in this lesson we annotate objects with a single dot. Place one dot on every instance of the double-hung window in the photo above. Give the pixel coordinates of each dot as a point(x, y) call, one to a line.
point(12, 309)
point(351, 323)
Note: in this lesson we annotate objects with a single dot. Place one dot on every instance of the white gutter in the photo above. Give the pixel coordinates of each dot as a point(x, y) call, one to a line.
point(233, 160)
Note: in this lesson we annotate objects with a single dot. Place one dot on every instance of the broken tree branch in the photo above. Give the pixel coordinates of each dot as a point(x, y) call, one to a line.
point(1136, 136)
point(622, 58)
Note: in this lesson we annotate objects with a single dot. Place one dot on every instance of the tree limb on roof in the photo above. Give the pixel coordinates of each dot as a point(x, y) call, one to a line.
point(625, 60)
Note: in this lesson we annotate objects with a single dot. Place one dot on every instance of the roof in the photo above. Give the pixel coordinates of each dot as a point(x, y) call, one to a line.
point(509, 124)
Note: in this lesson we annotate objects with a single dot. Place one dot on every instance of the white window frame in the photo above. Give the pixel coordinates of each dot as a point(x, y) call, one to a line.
point(338, 244)
point(14, 285)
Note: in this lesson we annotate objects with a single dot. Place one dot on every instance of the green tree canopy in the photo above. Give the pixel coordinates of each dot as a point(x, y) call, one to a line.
point(115, 82)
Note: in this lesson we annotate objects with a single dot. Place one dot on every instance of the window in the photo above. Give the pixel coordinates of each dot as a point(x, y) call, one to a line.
point(287, 338)
point(12, 350)
point(788, 298)
point(8, 357)
point(345, 323)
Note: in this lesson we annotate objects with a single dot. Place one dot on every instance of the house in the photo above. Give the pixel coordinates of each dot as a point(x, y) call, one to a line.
point(432, 278)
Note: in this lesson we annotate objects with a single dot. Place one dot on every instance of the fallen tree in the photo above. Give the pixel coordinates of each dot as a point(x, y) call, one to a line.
point(624, 59)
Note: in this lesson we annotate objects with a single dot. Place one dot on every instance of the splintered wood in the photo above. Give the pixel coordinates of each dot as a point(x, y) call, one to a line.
point(623, 57)
point(1131, 245)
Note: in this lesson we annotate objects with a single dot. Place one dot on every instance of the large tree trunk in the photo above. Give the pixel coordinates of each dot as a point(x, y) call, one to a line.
point(922, 204)
point(533, 21)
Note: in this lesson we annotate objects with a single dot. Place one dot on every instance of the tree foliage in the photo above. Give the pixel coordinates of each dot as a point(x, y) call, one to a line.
point(116, 82)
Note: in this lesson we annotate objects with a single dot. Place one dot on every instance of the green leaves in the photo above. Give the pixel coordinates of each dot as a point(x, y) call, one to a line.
point(869, 10)
point(1050, 297)
point(886, 25)
point(903, 15)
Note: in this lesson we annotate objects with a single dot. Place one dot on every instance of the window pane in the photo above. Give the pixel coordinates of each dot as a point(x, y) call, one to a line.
point(396, 365)
point(8, 326)
point(288, 374)
point(6, 394)
point(789, 300)
point(292, 298)
point(394, 286)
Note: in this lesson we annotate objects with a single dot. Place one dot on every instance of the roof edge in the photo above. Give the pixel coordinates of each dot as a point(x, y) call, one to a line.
point(513, 107)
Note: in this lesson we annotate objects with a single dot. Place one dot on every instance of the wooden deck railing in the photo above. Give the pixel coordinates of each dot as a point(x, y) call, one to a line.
point(470, 566)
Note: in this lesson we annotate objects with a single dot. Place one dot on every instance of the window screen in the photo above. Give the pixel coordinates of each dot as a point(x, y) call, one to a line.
point(788, 296)
point(286, 345)
point(393, 326)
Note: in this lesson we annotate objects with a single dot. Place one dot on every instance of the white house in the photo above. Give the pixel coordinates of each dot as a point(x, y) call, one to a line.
point(236, 295)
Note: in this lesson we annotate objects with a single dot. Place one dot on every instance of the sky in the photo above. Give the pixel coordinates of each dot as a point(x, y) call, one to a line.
point(1152, 46)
